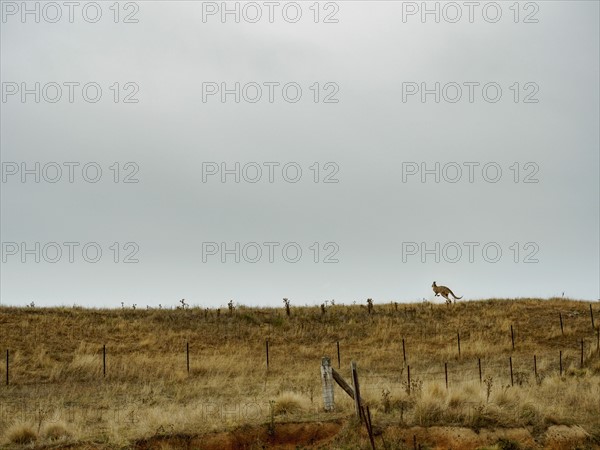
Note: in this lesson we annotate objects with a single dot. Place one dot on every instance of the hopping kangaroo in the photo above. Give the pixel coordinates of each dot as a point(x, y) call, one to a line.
point(444, 291)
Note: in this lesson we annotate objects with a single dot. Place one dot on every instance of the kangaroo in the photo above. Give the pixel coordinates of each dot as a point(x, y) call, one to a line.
point(444, 291)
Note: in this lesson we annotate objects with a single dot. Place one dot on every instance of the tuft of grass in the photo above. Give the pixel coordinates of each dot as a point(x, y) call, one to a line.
point(56, 431)
point(507, 444)
point(289, 403)
point(21, 433)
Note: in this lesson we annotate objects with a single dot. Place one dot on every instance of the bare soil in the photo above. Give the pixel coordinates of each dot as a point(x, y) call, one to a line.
point(322, 435)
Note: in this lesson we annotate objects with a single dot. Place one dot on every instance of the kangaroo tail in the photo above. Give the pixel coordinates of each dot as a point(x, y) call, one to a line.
point(453, 295)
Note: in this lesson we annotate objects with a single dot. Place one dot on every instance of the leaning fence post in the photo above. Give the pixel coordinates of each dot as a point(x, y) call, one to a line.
point(327, 383)
point(592, 316)
point(356, 389)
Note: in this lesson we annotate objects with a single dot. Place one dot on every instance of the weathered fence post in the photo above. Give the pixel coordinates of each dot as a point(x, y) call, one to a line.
point(446, 371)
point(512, 383)
point(267, 351)
point(560, 362)
point(592, 316)
point(187, 356)
point(327, 383)
point(479, 363)
point(561, 324)
point(369, 427)
point(512, 337)
point(408, 379)
point(356, 389)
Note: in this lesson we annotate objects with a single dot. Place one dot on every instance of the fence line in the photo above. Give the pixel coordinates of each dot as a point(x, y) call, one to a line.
point(518, 364)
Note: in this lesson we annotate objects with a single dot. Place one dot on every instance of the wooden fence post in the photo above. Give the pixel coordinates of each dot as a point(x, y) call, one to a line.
point(356, 389)
point(446, 371)
point(187, 356)
point(479, 363)
point(535, 366)
point(327, 383)
point(560, 362)
point(592, 316)
point(512, 383)
point(267, 351)
point(561, 324)
point(512, 337)
point(408, 378)
point(370, 428)
point(342, 383)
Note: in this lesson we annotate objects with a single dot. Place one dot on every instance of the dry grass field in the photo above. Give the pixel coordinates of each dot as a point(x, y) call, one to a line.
point(58, 396)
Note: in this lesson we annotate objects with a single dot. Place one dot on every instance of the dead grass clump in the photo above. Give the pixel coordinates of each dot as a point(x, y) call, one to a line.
point(529, 414)
point(84, 367)
point(21, 433)
point(487, 416)
point(56, 431)
point(289, 403)
point(430, 405)
point(507, 444)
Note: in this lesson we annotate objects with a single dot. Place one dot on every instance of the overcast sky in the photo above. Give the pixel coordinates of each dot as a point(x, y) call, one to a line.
point(513, 140)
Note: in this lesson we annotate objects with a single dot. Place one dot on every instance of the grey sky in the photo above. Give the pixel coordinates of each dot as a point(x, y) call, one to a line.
point(370, 135)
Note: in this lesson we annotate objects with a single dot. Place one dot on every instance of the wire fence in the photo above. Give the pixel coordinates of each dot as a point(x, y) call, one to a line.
point(514, 367)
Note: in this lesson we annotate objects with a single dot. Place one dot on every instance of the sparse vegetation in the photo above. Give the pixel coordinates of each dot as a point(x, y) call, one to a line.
point(57, 391)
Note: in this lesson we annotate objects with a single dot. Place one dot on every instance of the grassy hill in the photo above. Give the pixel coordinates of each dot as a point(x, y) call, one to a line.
point(61, 394)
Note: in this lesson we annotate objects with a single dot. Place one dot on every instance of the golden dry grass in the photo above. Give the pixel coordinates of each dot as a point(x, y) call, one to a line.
point(57, 391)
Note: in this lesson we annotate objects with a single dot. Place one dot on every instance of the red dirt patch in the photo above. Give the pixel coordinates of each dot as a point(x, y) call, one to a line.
point(285, 436)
